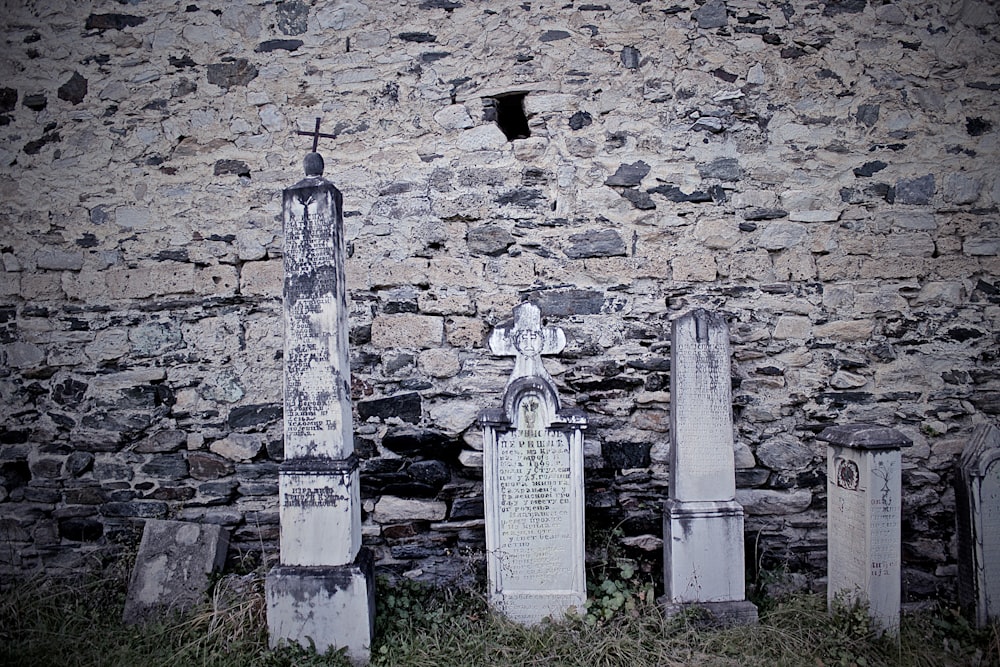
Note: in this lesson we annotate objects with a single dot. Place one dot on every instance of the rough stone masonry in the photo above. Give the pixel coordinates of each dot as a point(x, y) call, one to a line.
point(823, 174)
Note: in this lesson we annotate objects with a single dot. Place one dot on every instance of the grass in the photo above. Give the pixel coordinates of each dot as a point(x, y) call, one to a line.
point(51, 622)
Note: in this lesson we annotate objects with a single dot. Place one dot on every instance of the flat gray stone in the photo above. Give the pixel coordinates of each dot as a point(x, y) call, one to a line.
point(489, 240)
point(784, 452)
point(961, 189)
point(605, 243)
point(983, 247)
point(292, 17)
point(864, 436)
point(132, 217)
point(628, 175)
point(917, 191)
point(724, 169)
point(59, 260)
point(238, 446)
point(781, 235)
point(711, 15)
point(24, 355)
point(173, 567)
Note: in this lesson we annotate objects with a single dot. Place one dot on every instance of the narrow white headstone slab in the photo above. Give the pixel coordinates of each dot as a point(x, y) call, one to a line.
point(703, 558)
point(864, 514)
point(977, 488)
point(533, 483)
point(701, 410)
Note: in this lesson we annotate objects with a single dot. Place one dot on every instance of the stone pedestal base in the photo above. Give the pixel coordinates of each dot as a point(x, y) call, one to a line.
point(319, 499)
point(325, 606)
point(703, 552)
point(717, 614)
point(530, 608)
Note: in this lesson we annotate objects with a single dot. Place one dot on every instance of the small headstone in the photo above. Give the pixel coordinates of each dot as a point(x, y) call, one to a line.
point(864, 493)
point(977, 492)
point(533, 482)
point(173, 568)
point(703, 559)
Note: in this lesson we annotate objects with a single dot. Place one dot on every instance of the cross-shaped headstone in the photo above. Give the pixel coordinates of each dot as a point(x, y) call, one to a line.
point(526, 341)
point(316, 134)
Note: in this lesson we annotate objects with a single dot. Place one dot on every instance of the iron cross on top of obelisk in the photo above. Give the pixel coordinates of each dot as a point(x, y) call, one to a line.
point(526, 341)
point(316, 134)
point(313, 162)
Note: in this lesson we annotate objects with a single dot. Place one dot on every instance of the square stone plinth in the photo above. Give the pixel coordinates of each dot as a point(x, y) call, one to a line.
point(320, 516)
point(327, 607)
point(703, 552)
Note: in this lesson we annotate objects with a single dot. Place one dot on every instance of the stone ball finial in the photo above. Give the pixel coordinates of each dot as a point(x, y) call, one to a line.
point(313, 164)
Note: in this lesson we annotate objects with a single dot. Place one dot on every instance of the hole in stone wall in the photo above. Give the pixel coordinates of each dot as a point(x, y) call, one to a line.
point(15, 474)
point(508, 112)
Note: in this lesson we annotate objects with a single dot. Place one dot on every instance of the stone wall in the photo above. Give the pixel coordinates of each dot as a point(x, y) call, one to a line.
point(823, 173)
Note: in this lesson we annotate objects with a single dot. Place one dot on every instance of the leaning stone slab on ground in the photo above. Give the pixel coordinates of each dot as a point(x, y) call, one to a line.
point(863, 518)
point(703, 559)
point(977, 494)
point(533, 482)
point(173, 568)
point(322, 593)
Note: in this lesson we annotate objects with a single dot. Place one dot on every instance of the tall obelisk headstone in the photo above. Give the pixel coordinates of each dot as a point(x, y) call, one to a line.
point(864, 514)
point(322, 593)
point(703, 559)
point(977, 492)
point(533, 482)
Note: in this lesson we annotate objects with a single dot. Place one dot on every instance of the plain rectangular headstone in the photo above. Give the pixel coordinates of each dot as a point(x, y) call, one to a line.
point(173, 568)
point(977, 493)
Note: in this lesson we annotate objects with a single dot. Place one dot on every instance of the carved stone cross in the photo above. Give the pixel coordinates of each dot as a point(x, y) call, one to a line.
point(316, 134)
point(526, 341)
